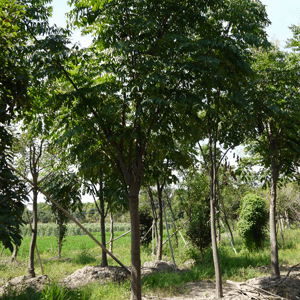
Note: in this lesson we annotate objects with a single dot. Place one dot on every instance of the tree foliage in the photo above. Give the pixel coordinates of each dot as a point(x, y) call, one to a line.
point(253, 222)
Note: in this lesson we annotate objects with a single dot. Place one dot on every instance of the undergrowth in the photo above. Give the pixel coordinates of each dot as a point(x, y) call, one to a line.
point(78, 252)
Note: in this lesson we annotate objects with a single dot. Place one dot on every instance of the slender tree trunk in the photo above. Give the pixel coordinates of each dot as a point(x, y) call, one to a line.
point(102, 222)
point(60, 237)
point(281, 227)
point(15, 253)
point(287, 220)
point(213, 200)
point(31, 271)
point(111, 232)
point(154, 215)
point(160, 229)
point(219, 292)
point(160, 217)
point(275, 272)
point(219, 229)
point(173, 219)
point(136, 293)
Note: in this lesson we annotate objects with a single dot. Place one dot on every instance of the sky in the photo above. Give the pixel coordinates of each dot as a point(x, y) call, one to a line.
point(282, 14)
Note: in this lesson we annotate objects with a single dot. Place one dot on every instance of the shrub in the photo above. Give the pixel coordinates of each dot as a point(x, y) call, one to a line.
point(253, 222)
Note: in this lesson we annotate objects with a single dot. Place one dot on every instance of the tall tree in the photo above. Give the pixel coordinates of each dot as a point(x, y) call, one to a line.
point(276, 106)
point(13, 96)
point(222, 119)
point(142, 75)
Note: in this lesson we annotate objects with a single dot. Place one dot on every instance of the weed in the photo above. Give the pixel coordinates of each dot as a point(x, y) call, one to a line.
point(54, 291)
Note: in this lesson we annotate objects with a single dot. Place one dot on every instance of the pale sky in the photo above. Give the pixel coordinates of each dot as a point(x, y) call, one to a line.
point(282, 14)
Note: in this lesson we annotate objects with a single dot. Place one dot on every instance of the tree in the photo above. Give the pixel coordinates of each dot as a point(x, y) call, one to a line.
point(140, 78)
point(276, 107)
point(253, 222)
point(13, 95)
point(35, 164)
point(193, 200)
point(223, 117)
point(64, 187)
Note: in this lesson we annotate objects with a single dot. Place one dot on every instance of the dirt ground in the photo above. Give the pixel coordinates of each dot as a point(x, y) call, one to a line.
point(287, 287)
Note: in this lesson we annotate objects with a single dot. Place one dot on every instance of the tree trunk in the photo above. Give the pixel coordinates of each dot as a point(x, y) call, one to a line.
point(219, 292)
point(287, 220)
point(219, 229)
point(213, 199)
point(154, 216)
point(281, 227)
point(275, 272)
point(31, 271)
point(173, 220)
point(160, 229)
point(136, 293)
point(60, 237)
point(15, 253)
point(111, 233)
point(102, 222)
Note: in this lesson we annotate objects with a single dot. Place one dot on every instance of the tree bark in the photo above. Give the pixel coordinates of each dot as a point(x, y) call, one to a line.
point(213, 200)
point(160, 228)
point(31, 271)
point(154, 216)
point(15, 253)
point(218, 277)
point(102, 222)
point(60, 238)
point(275, 272)
point(136, 293)
point(111, 233)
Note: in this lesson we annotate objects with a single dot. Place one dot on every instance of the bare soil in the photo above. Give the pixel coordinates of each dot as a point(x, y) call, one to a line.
point(256, 288)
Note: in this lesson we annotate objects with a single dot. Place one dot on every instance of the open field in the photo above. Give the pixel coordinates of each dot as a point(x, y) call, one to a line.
point(79, 251)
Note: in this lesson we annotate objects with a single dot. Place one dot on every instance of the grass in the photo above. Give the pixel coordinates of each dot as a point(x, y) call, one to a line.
point(79, 251)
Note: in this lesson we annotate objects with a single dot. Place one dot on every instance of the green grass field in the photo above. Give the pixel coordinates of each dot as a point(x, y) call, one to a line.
point(79, 251)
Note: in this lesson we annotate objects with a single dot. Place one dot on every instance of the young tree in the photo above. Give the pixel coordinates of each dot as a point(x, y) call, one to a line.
point(35, 164)
point(64, 187)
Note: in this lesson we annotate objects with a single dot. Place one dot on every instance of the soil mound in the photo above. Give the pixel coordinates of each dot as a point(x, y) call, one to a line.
point(94, 273)
point(24, 282)
point(157, 266)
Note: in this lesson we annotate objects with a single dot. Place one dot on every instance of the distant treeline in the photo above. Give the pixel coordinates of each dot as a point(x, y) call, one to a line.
point(72, 229)
point(89, 214)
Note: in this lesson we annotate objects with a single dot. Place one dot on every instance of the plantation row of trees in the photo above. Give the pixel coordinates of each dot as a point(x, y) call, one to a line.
point(165, 88)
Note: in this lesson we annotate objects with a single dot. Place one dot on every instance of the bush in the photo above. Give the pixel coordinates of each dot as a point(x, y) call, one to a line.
point(253, 222)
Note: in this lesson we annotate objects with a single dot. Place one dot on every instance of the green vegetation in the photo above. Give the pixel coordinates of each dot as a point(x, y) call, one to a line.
point(253, 222)
point(79, 251)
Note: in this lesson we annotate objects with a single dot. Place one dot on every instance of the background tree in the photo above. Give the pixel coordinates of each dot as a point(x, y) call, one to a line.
point(197, 210)
point(253, 222)
point(36, 165)
point(64, 187)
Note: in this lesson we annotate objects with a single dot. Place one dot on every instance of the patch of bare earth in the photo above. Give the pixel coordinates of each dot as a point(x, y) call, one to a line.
point(286, 287)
